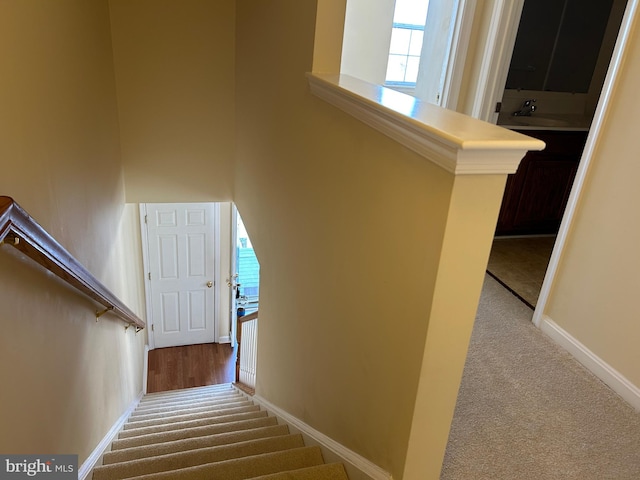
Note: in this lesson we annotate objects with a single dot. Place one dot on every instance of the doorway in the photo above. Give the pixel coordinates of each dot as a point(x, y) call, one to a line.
point(564, 96)
point(244, 281)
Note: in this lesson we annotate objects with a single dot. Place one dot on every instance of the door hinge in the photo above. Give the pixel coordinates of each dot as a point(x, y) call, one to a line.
point(498, 107)
point(145, 219)
point(149, 275)
point(152, 327)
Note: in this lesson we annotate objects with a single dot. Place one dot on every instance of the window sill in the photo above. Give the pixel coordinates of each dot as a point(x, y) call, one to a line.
point(460, 144)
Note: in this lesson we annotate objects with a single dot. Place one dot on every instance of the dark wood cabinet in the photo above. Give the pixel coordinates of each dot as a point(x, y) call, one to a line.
point(536, 195)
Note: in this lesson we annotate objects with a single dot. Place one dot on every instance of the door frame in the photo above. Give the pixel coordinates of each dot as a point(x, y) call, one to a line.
point(496, 59)
point(144, 237)
point(597, 125)
point(233, 279)
point(457, 55)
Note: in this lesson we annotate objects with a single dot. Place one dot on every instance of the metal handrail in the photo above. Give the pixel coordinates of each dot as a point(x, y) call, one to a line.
point(19, 230)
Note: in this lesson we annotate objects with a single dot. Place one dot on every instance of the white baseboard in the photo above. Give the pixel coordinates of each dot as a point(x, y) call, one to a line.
point(87, 467)
point(225, 339)
point(601, 369)
point(356, 465)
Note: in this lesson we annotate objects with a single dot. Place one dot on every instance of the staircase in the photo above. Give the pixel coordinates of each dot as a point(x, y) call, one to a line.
point(210, 432)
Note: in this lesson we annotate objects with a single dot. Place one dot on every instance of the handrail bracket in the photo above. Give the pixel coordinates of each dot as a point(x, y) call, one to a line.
point(11, 240)
point(99, 313)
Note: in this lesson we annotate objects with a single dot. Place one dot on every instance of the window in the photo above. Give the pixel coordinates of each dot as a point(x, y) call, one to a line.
point(409, 19)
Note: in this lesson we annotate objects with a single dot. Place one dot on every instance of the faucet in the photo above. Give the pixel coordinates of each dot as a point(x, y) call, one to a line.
point(526, 110)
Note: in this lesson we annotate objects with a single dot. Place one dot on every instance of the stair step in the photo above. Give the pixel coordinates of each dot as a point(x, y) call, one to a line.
point(169, 419)
point(198, 407)
point(134, 432)
point(161, 402)
point(178, 395)
point(329, 471)
point(246, 467)
point(200, 402)
point(227, 438)
point(191, 458)
point(188, 391)
point(260, 419)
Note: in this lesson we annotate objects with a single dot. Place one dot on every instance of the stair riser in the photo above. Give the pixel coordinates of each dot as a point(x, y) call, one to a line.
point(144, 403)
point(194, 416)
point(134, 432)
point(270, 429)
point(189, 391)
point(180, 411)
point(258, 420)
point(331, 471)
point(186, 407)
point(248, 467)
point(198, 457)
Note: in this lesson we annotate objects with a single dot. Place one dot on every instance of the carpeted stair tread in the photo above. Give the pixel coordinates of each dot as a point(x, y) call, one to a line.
point(227, 438)
point(186, 397)
point(191, 458)
point(189, 401)
point(246, 467)
point(181, 392)
point(329, 471)
point(185, 417)
point(148, 412)
point(144, 403)
point(134, 432)
point(250, 421)
point(191, 409)
point(225, 387)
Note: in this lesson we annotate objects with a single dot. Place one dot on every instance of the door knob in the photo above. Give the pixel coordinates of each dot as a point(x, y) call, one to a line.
point(209, 284)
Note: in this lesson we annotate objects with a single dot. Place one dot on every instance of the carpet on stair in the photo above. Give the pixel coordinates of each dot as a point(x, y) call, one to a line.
point(210, 432)
point(269, 430)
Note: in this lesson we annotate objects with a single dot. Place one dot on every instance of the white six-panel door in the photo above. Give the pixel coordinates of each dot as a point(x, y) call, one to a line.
point(181, 240)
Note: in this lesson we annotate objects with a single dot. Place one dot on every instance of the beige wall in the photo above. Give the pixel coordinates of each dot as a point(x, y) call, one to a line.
point(594, 297)
point(174, 66)
point(65, 378)
point(349, 229)
point(328, 205)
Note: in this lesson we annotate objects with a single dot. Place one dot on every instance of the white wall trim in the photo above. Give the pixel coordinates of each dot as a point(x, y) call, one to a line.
point(349, 457)
point(601, 369)
point(587, 155)
point(217, 314)
point(88, 465)
point(144, 237)
point(496, 58)
point(458, 143)
point(233, 269)
point(458, 53)
point(145, 369)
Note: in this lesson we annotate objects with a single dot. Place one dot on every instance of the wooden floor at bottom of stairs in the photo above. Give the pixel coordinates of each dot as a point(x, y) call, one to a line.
point(174, 368)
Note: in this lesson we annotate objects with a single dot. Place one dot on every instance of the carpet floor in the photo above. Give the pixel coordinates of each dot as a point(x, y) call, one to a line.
point(527, 410)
